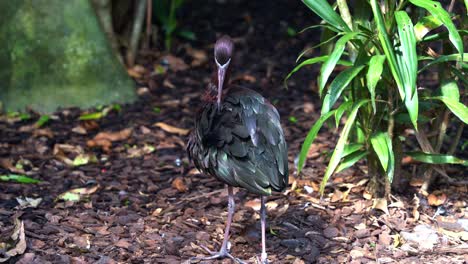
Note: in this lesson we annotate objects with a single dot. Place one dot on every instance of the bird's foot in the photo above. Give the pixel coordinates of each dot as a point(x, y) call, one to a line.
point(223, 253)
point(263, 259)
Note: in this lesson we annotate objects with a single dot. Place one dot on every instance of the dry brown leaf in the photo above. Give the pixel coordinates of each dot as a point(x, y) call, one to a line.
point(136, 71)
point(123, 243)
point(416, 182)
point(199, 56)
point(7, 163)
point(168, 84)
point(90, 125)
point(104, 139)
point(367, 195)
point(436, 198)
point(43, 132)
point(415, 211)
point(18, 244)
point(179, 184)
point(254, 204)
point(175, 64)
point(103, 143)
point(77, 194)
point(172, 129)
point(79, 130)
point(114, 136)
point(381, 204)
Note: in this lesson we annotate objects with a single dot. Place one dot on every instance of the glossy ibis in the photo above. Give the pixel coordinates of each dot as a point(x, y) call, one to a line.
point(239, 140)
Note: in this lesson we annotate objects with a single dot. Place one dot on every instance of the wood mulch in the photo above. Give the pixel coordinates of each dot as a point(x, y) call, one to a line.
point(145, 203)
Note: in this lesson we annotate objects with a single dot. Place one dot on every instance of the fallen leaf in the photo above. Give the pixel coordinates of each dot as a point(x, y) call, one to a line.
point(416, 182)
point(142, 91)
point(90, 125)
point(436, 198)
point(366, 195)
point(75, 195)
point(415, 210)
point(114, 136)
point(135, 152)
point(17, 245)
point(79, 130)
point(136, 71)
point(105, 139)
point(175, 64)
point(28, 202)
point(84, 159)
point(423, 236)
point(18, 178)
point(356, 253)
point(381, 204)
point(179, 184)
point(123, 243)
point(199, 56)
point(254, 204)
point(7, 163)
point(157, 212)
point(44, 132)
point(172, 129)
point(168, 84)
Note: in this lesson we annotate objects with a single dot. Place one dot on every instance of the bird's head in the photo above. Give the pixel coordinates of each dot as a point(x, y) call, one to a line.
point(222, 53)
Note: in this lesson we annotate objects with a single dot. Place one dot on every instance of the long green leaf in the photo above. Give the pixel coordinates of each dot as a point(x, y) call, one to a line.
point(457, 108)
point(351, 148)
point(350, 160)
point(333, 58)
point(436, 9)
point(387, 46)
point(408, 63)
point(340, 111)
point(442, 59)
point(425, 25)
point(323, 9)
point(339, 148)
point(382, 145)
point(436, 158)
point(373, 75)
point(313, 61)
point(18, 178)
point(338, 85)
point(449, 89)
point(310, 139)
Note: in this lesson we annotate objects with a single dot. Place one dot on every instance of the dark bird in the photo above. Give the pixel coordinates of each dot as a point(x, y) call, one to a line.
point(239, 140)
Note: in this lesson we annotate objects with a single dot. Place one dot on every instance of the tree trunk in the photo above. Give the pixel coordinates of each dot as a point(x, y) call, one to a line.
point(54, 54)
point(379, 185)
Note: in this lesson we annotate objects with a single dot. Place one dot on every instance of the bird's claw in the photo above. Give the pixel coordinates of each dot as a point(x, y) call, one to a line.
point(264, 260)
point(223, 253)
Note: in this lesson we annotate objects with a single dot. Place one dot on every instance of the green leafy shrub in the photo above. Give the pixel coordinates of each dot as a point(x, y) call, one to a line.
point(165, 12)
point(386, 48)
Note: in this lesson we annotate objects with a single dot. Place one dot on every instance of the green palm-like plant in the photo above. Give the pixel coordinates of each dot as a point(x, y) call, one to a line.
point(384, 52)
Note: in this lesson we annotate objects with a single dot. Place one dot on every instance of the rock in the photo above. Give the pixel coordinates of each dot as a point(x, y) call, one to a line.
point(423, 236)
point(356, 253)
point(330, 232)
point(362, 233)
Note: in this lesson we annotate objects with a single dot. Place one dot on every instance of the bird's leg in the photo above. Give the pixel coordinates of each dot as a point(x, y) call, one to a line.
point(224, 251)
point(231, 209)
point(263, 256)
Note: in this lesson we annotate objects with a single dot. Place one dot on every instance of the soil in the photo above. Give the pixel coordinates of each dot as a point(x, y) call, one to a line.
point(144, 202)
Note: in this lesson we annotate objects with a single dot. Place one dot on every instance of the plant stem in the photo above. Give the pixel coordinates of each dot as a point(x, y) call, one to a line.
point(442, 131)
point(136, 30)
point(149, 11)
point(346, 15)
point(456, 140)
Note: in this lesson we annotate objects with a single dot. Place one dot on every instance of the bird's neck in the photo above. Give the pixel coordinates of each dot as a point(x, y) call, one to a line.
point(211, 92)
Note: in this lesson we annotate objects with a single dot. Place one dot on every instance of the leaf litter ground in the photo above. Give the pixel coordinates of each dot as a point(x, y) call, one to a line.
point(120, 189)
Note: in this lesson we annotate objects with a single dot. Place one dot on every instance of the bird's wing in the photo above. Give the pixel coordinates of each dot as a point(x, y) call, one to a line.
point(243, 144)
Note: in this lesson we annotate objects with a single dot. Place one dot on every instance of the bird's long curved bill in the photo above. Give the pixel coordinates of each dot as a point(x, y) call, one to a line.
point(221, 76)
